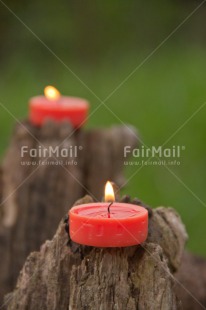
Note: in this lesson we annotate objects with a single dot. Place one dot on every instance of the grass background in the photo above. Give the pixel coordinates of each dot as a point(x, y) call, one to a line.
point(102, 42)
point(157, 99)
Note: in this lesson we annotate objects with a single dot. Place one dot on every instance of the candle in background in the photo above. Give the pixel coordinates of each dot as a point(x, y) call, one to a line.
point(54, 106)
point(108, 224)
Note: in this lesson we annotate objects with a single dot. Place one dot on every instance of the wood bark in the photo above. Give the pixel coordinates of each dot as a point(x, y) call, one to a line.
point(34, 197)
point(65, 275)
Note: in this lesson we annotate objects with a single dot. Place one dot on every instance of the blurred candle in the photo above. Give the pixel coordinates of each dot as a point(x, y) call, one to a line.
point(54, 106)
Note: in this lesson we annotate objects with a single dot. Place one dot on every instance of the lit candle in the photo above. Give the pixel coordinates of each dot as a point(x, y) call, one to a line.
point(108, 224)
point(54, 106)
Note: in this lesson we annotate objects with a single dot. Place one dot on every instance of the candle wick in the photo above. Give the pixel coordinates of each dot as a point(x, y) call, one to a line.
point(108, 209)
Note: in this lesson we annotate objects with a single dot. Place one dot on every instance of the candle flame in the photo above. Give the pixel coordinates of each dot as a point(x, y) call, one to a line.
point(51, 93)
point(109, 192)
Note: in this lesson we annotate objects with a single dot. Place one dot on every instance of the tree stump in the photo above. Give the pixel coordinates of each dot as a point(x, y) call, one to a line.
point(34, 197)
point(64, 275)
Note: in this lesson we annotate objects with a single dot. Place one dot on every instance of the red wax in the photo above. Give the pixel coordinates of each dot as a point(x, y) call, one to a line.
point(72, 109)
point(125, 225)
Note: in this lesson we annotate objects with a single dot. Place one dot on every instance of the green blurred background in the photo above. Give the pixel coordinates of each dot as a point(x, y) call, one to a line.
point(102, 42)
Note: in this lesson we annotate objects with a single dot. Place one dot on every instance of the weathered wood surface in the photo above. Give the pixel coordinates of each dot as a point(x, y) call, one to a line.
point(34, 197)
point(65, 275)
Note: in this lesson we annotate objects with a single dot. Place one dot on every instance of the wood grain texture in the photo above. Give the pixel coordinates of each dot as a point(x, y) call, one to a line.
point(34, 197)
point(65, 275)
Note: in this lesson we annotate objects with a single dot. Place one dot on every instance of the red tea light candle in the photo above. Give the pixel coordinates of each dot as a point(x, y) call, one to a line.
point(108, 224)
point(54, 106)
